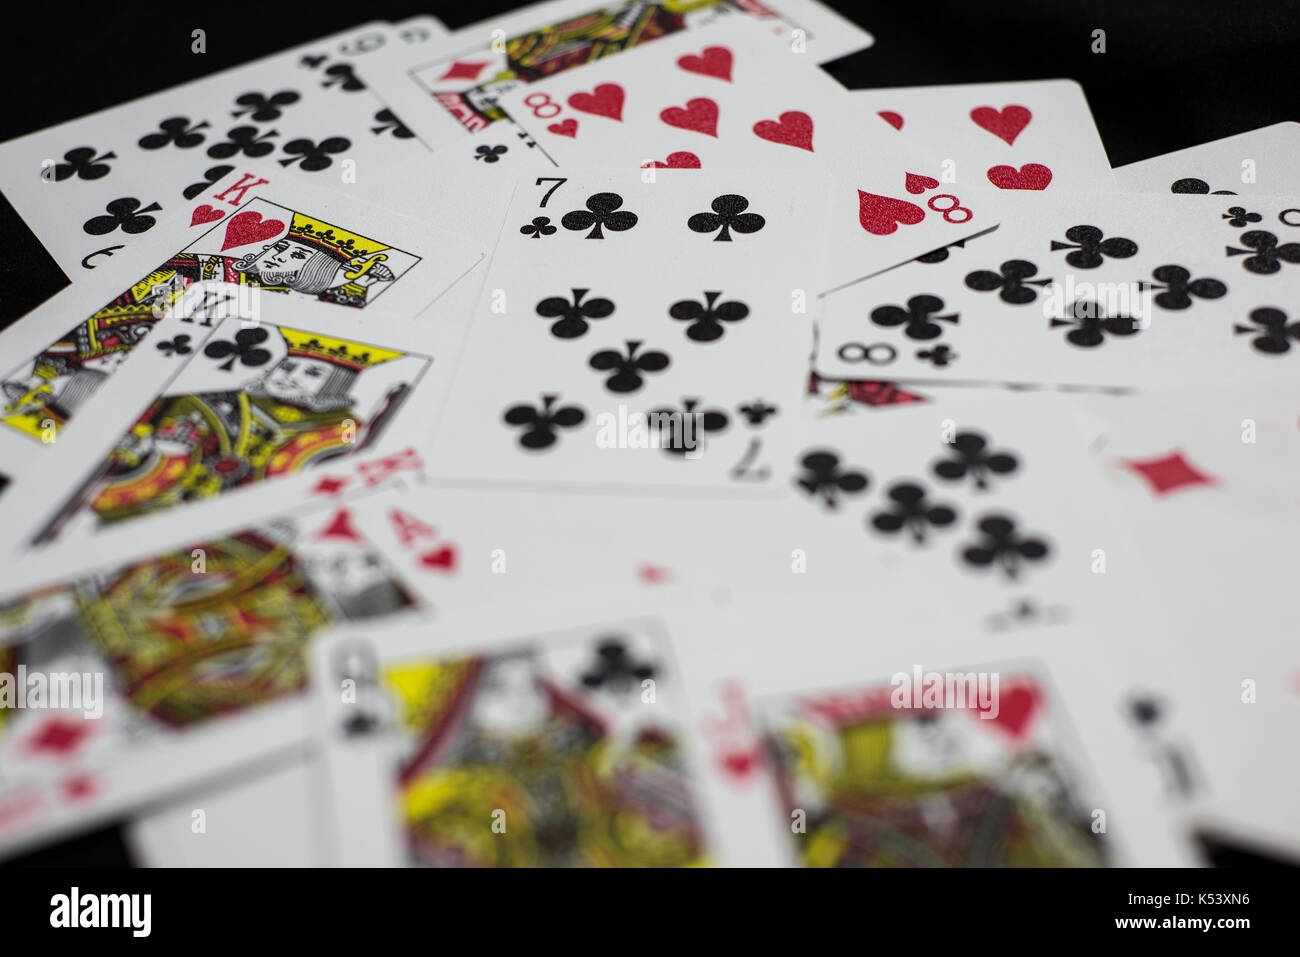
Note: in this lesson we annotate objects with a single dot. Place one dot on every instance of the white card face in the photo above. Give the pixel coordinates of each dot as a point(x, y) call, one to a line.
point(931, 777)
point(732, 97)
point(459, 80)
point(807, 751)
point(186, 662)
point(1261, 162)
point(263, 819)
point(785, 757)
point(1128, 291)
point(509, 749)
point(1231, 449)
point(578, 340)
point(818, 529)
point(93, 186)
point(970, 494)
point(246, 406)
point(296, 282)
point(417, 33)
point(1028, 137)
point(842, 515)
point(1203, 481)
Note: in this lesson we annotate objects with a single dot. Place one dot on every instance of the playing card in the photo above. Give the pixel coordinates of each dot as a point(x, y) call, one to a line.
point(418, 32)
point(735, 98)
point(584, 365)
point(829, 745)
point(89, 188)
point(864, 782)
point(447, 90)
point(1126, 290)
point(264, 361)
point(250, 404)
point(169, 666)
point(263, 819)
point(1028, 137)
point(493, 747)
point(1233, 448)
point(1259, 161)
point(969, 493)
point(1202, 479)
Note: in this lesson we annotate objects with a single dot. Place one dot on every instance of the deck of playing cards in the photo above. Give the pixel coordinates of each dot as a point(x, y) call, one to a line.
point(605, 441)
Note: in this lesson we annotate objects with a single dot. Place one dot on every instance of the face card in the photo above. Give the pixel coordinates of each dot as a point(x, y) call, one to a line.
point(873, 777)
point(265, 252)
point(1126, 291)
point(581, 362)
point(493, 748)
point(1260, 161)
point(247, 404)
point(825, 744)
point(733, 98)
point(187, 662)
point(1029, 137)
point(92, 187)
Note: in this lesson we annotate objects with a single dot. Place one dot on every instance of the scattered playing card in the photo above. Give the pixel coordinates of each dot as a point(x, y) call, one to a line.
point(192, 661)
point(1125, 290)
point(733, 97)
point(87, 188)
point(1258, 162)
point(224, 397)
point(583, 365)
point(448, 91)
point(569, 748)
point(595, 437)
point(1028, 137)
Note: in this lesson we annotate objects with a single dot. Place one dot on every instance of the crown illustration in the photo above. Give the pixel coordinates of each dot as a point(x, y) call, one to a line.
point(353, 356)
point(331, 240)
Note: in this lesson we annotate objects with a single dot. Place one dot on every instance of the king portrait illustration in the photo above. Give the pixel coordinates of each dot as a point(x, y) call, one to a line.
point(298, 412)
point(308, 257)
